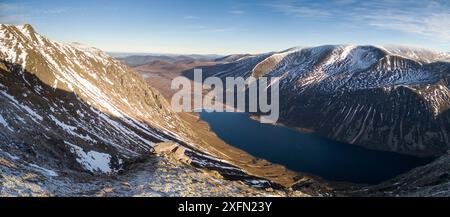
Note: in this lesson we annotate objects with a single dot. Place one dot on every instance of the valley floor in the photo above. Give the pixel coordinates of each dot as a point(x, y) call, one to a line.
point(211, 143)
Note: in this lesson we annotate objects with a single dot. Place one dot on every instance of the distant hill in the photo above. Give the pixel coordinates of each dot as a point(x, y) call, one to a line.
point(139, 60)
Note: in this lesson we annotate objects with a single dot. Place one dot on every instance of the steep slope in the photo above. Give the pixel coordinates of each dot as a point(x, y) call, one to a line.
point(38, 82)
point(268, 64)
point(388, 98)
point(432, 179)
point(74, 121)
point(232, 58)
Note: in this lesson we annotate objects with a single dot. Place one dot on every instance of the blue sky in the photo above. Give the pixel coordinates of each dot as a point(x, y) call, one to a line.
point(234, 26)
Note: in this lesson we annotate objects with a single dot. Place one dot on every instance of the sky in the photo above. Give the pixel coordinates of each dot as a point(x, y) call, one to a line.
point(233, 26)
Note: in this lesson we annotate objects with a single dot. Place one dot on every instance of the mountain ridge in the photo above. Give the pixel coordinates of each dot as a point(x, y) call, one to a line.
point(76, 122)
point(337, 91)
point(71, 113)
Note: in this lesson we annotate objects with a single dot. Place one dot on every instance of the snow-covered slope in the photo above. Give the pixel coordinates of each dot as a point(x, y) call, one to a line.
point(388, 98)
point(418, 54)
point(76, 122)
point(72, 116)
point(78, 95)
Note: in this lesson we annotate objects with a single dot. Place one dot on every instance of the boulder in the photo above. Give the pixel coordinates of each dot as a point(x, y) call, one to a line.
point(181, 156)
point(173, 151)
point(164, 147)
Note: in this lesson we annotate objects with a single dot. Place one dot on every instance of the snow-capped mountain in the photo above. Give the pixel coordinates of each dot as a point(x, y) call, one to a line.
point(78, 95)
point(74, 121)
point(390, 98)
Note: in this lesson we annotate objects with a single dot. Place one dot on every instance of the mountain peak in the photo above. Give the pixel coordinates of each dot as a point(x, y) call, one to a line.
point(28, 27)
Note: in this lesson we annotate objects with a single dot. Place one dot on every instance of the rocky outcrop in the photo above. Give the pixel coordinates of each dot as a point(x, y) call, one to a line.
point(173, 151)
point(76, 122)
point(72, 118)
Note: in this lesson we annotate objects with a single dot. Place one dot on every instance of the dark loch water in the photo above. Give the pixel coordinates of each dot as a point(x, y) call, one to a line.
point(308, 153)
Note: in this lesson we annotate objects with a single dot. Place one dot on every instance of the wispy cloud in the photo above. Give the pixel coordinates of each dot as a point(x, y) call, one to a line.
point(16, 13)
point(236, 12)
point(425, 18)
point(54, 11)
point(197, 24)
point(191, 17)
point(12, 13)
point(429, 18)
point(221, 30)
point(206, 29)
point(300, 10)
point(8, 7)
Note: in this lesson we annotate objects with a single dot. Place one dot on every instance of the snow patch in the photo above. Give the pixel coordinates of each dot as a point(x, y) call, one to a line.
point(4, 123)
point(92, 160)
point(64, 126)
point(36, 117)
point(44, 171)
point(12, 157)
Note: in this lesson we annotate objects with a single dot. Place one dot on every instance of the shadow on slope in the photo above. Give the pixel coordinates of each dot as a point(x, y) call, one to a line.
point(56, 128)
